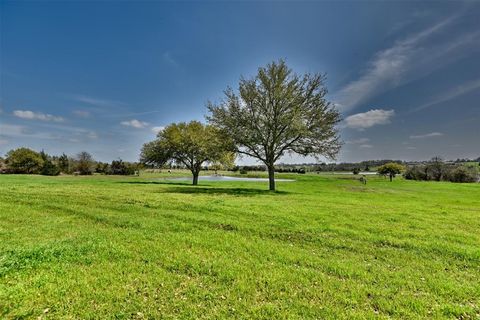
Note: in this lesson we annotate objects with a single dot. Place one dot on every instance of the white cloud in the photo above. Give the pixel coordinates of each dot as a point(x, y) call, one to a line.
point(30, 115)
point(81, 113)
point(357, 141)
point(427, 135)
point(134, 123)
point(405, 61)
point(157, 129)
point(365, 146)
point(369, 119)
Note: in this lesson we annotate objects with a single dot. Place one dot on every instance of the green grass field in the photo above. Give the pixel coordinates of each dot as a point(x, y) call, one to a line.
point(321, 247)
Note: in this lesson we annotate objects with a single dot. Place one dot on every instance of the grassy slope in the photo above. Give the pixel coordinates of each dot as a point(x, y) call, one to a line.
point(108, 247)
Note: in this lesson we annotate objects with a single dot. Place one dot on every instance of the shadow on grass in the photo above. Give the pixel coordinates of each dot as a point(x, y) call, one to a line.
point(216, 190)
point(186, 188)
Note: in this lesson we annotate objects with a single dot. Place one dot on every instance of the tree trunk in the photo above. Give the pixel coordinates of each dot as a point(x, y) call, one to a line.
point(271, 177)
point(195, 178)
point(391, 177)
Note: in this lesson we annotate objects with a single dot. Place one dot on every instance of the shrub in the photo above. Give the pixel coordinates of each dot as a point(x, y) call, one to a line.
point(121, 168)
point(50, 169)
point(24, 160)
point(415, 173)
point(356, 171)
point(463, 173)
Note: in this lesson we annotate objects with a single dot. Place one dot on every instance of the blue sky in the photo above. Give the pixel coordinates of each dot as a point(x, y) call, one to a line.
point(103, 76)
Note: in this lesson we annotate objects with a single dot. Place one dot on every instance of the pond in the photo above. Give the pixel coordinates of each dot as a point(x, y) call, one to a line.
point(226, 178)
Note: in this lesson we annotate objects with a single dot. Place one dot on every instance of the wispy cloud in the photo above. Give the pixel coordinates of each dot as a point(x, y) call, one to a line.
point(406, 60)
point(16, 131)
point(168, 58)
point(30, 115)
point(427, 135)
point(357, 141)
point(96, 101)
point(81, 113)
point(451, 94)
point(365, 146)
point(134, 123)
point(369, 119)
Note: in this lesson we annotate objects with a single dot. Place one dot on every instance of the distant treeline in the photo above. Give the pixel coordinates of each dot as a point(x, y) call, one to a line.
point(438, 170)
point(27, 161)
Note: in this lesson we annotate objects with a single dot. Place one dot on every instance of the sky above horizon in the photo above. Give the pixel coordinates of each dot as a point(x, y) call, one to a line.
point(105, 76)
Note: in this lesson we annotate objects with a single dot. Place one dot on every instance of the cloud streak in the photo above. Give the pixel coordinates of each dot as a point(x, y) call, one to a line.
point(405, 61)
point(30, 115)
point(427, 135)
point(451, 94)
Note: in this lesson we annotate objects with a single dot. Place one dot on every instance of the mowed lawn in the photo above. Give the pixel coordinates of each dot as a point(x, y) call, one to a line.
point(321, 247)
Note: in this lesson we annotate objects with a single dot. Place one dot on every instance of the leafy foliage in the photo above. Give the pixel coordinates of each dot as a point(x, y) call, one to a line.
point(24, 160)
point(118, 167)
point(279, 112)
point(391, 169)
point(190, 144)
point(49, 168)
point(84, 163)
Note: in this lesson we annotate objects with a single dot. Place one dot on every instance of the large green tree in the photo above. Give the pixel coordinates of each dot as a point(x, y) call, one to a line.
point(279, 112)
point(24, 160)
point(190, 144)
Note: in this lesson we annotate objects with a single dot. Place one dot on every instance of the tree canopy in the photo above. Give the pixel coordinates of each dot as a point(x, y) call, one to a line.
point(391, 169)
point(24, 160)
point(190, 144)
point(279, 112)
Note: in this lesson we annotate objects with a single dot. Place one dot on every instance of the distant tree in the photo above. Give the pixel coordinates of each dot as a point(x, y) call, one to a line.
point(435, 169)
point(24, 160)
point(356, 171)
point(391, 169)
point(279, 112)
point(84, 163)
point(63, 163)
point(119, 167)
point(190, 144)
point(49, 168)
point(3, 165)
point(102, 167)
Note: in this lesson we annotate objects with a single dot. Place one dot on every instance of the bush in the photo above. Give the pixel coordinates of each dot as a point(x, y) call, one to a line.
point(356, 171)
point(463, 173)
point(24, 160)
point(121, 168)
point(415, 173)
point(50, 169)
point(243, 170)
